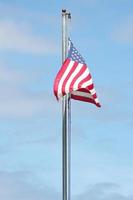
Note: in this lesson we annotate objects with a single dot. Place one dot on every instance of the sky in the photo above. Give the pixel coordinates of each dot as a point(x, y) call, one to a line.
point(30, 116)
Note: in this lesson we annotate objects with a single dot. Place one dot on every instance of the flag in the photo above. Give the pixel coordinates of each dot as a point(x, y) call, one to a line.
point(74, 77)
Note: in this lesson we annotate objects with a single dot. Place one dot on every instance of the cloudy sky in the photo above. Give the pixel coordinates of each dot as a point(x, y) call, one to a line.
point(30, 117)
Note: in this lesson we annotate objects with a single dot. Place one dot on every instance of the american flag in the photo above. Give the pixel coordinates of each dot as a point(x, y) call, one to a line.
point(74, 77)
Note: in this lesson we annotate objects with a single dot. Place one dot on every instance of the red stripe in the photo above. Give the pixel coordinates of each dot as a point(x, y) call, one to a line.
point(75, 64)
point(90, 87)
point(83, 90)
point(94, 96)
point(86, 90)
point(59, 76)
point(77, 76)
point(85, 99)
point(84, 80)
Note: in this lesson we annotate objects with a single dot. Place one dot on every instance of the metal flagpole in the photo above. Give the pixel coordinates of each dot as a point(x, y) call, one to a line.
point(66, 117)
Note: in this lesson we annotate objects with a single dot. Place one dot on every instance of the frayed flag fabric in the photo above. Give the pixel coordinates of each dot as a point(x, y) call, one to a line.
point(74, 77)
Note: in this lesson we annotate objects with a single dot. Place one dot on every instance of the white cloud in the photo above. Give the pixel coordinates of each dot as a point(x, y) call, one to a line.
point(14, 11)
point(25, 186)
point(123, 33)
point(9, 75)
point(16, 101)
point(20, 37)
point(104, 191)
point(15, 185)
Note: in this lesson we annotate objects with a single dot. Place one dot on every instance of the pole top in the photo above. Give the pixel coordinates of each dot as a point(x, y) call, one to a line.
point(64, 12)
point(69, 15)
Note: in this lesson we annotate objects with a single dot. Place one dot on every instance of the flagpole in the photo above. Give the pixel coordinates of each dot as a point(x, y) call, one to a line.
point(66, 119)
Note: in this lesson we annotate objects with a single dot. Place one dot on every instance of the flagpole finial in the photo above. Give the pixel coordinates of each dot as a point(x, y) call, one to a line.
point(63, 10)
point(69, 15)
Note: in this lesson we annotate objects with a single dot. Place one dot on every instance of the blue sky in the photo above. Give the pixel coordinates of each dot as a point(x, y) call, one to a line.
point(30, 117)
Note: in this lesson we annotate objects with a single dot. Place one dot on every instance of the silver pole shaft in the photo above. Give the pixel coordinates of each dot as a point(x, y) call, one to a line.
point(66, 118)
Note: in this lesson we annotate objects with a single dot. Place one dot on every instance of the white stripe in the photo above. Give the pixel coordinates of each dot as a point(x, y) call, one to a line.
point(87, 83)
point(93, 91)
point(78, 68)
point(63, 78)
point(83, 76)
point(82, 94)
point(96, 100)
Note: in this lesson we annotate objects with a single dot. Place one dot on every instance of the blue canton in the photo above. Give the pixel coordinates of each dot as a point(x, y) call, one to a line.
point(74, 55)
